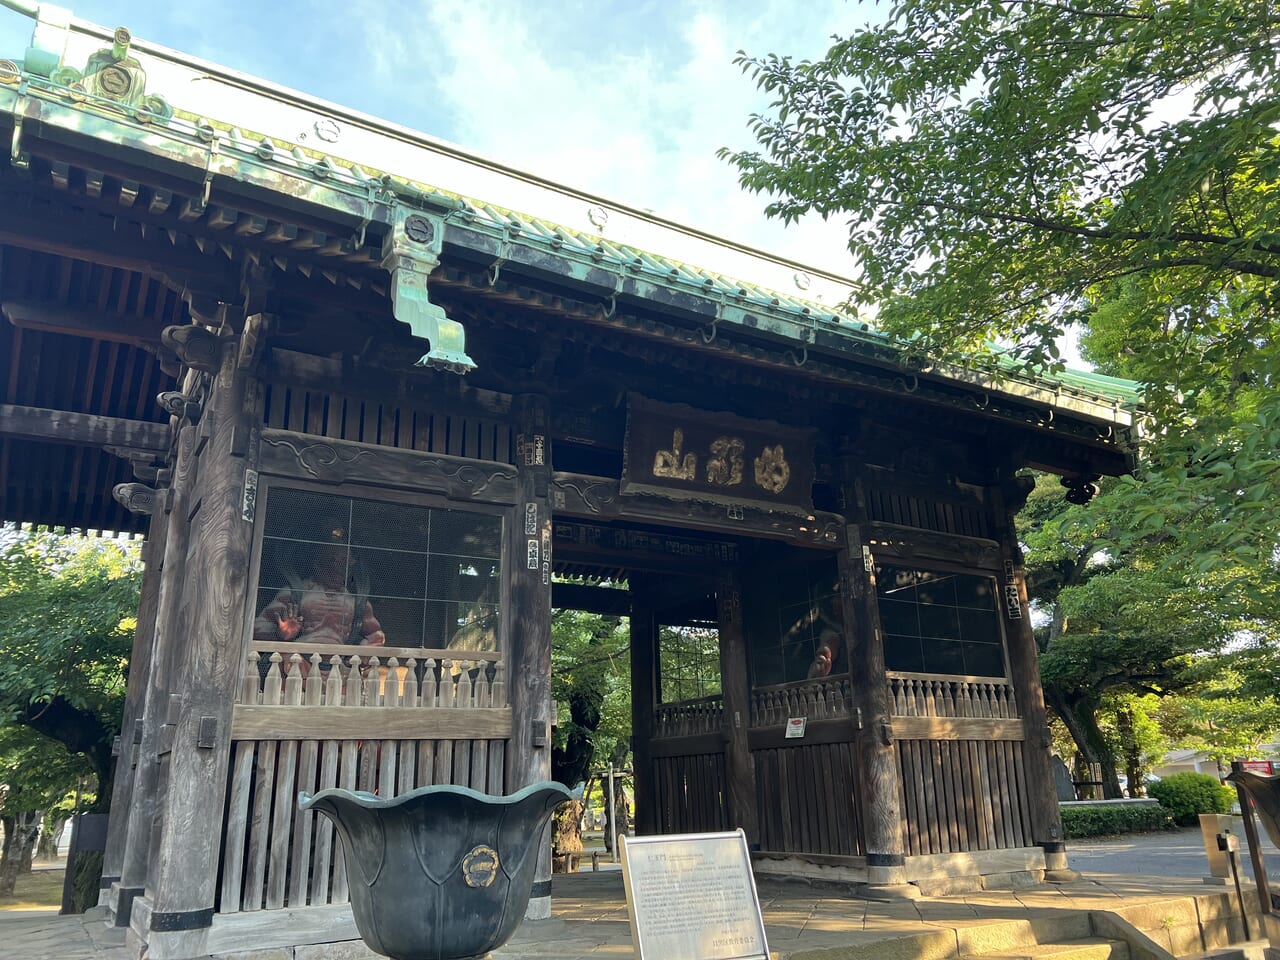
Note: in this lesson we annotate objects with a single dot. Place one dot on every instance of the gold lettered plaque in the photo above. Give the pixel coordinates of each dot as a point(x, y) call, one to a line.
point(676, 450)
point(692, 897)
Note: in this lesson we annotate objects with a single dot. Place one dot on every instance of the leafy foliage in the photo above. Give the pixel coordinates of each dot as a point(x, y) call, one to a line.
point(1014, 169)
point(67, 605)
point(36, 774)
point(591, 681)
point(1186, 795)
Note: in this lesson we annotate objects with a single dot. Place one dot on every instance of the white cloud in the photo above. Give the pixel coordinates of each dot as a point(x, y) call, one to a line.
point(629, 105)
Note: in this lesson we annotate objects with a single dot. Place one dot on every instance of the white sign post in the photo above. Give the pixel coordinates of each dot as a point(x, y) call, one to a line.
point(693, 897)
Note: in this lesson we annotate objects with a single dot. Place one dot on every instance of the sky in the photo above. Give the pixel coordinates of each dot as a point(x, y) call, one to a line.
point(626, 100)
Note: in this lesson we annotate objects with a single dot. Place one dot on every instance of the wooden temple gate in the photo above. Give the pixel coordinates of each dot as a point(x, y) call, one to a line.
point(395, 426)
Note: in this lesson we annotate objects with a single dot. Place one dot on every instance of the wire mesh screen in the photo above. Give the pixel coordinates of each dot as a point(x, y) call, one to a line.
point(344, 570)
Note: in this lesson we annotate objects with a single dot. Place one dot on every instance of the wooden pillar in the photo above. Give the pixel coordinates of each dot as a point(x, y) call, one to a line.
point(140, 658)
point(529, 757)
point(1024, 669)
point(173, 918)
point(740, 771)
point(877, 756)
point(170, 564)
point(644, 695)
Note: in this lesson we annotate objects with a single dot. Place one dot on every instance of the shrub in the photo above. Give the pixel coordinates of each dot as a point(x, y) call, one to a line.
point(1108, 819)
point(1186, 795)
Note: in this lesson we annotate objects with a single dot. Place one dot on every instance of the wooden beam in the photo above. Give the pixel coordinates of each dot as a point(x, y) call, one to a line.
point(87, 429)
point(53, 317)
point(605, 601)
point(257, 722)
point(310, 457)
point(956, 728)
point(578, 495)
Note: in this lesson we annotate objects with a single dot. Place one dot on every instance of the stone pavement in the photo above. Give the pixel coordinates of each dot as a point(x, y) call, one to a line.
point(589, 922)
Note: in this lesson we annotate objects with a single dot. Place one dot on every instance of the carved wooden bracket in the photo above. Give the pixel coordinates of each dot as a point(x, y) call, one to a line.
point(146, 464)
point(195, 346)
point(1080, 489)
point(135, 497)
point(179, 404)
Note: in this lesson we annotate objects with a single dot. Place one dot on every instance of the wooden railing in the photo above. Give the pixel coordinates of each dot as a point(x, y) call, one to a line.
point(824, 699)
point(382, 719)
point(688, 718)
point(926, 696)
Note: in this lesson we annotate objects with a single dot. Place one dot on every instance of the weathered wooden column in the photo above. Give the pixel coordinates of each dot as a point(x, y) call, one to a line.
point(170, 565)
point(1005, 501)
point(735, 687)
point(529, 757)
point(877, 756)
point(644, 694)
point(173, 918)
point(131, 721)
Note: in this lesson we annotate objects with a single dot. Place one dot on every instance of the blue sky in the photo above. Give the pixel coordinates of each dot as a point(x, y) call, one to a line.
point(629, 100)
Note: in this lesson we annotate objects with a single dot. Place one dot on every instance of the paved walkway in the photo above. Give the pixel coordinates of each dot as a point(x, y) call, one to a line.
point(1176, 854)
point(590, 921)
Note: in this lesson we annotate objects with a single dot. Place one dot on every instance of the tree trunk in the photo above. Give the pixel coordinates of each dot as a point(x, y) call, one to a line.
point(47, 848)
point(566, 836)
point(1080, 716)
point(20, 833)
point(1132, 755)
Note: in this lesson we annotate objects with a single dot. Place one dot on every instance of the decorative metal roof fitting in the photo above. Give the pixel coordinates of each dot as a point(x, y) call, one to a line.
point(413, 251)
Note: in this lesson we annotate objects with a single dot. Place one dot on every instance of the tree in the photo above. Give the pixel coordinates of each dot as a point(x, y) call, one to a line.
point(36, 773)
point(591, 681)
point(1014, 169)
point(1119, 626)
point(67, 605)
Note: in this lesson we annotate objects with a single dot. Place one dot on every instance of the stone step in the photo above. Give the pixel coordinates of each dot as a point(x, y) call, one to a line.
point(1008, 937)
point(1086, 948)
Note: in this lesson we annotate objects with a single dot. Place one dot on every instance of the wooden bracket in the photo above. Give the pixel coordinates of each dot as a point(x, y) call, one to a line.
point(135, 497)
point(195, 346)
point(181, 405)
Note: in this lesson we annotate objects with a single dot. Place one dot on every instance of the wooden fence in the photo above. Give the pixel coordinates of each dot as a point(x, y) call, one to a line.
point(963, 795)
point(384, 720)
point(808, 798)
point(691, 793)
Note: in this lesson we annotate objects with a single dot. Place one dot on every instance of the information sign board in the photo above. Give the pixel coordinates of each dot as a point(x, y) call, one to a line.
point(692, 897)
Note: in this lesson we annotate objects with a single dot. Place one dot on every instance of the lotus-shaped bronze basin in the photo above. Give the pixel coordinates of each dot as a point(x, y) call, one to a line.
point(439, 873)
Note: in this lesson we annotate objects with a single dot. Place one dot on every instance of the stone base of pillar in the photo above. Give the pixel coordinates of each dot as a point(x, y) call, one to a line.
point(887, 881)
point(1061, 876)
point(539, 909)
point(119, 903)
point(1056, 868)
